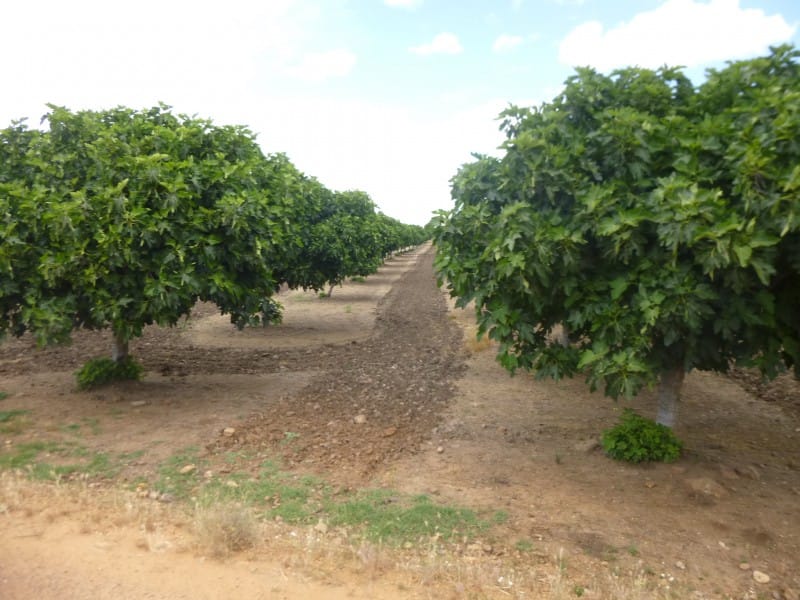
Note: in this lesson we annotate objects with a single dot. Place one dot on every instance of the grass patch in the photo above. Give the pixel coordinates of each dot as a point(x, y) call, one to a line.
point(3, 395)
point(524, 545)
point(90, 423)
point(375, 515)
point(13, 421)
point(24, 455)
point(229, 505)
point(385, 516)
point(277, 495)
point(127, 457)
point(173, 480)
point(59, 461)
point(9, 415)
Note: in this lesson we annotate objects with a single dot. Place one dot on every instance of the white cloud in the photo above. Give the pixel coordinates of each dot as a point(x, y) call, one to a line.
point(442, 43)
point(679, 32)
point(403, 3)
point(202, 55)
point(319, 66)
point(506, 42)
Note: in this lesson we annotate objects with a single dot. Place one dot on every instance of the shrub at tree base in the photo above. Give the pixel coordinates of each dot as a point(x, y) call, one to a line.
point(637, 439)
point(100, 371)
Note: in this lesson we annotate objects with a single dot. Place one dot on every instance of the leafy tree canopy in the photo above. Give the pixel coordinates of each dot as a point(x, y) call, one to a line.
point(123, 218)
point(658, 221)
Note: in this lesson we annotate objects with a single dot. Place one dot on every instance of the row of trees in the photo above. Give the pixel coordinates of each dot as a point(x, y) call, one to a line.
point(122, 218)
point(656, 221)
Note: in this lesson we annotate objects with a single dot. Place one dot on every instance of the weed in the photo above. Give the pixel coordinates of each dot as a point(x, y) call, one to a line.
point(579, 590)
point(348, 309)
point(3, 395)
point(101, 371)
point(358, 279)
point(636, 439)
point(633, 550)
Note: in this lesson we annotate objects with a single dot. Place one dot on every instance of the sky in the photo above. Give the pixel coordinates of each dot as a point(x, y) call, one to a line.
point(385, 96)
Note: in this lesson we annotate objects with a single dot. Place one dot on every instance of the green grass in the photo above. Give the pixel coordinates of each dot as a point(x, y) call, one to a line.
point(172, 481)
point(77, 428)
point(378, 515)
point(23, 455)
point(60, 460)
point(9, 415)
point(383, 515)
point(270, 493)
point(524, 545)
point(13, 421)
point(292, 498)
point(3, 395)
point(130, 456)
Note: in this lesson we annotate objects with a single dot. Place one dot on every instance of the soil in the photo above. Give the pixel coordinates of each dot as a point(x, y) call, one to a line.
point(384, 385)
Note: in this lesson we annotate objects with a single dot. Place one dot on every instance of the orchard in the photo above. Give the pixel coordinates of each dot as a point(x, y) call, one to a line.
point(119, 219)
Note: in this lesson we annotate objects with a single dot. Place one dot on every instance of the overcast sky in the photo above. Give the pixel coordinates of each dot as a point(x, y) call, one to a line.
point(387, 96)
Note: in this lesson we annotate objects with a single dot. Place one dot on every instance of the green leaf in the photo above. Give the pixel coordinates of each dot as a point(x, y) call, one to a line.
point(743, 253)
point(618, 287)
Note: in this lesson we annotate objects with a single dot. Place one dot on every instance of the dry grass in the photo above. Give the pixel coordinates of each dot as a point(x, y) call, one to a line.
point(475, 345)
point(426, 570)
point(226, 529)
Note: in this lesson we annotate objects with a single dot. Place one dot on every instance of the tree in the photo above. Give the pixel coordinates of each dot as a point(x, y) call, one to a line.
point(658, 221)
point(119, 219)
point(342, 236)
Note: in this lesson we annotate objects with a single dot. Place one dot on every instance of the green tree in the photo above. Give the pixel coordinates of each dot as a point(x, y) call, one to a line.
point(659, 222)
point(119, 219)
point(345, 242)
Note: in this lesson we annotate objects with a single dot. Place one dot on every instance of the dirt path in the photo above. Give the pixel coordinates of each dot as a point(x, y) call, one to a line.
point(380, 399)
point(383, 385)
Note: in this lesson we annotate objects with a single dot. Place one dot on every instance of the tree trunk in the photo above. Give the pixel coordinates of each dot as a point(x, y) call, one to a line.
point(563, 336)
point(669, 396)
point(120, 350)
point(330, 291)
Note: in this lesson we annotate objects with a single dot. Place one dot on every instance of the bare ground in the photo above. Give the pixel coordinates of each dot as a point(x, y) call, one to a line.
point(384, 385)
